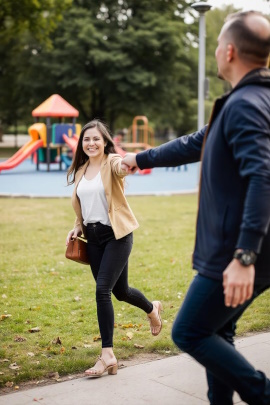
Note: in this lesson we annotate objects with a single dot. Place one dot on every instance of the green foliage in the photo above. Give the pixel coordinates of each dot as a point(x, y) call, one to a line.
point(110, 59)
point(22, 23)
point(119, 60)
point(40, 288)
point(39, 17)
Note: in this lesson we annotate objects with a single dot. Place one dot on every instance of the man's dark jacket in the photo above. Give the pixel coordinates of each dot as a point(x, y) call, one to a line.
point(234, 204)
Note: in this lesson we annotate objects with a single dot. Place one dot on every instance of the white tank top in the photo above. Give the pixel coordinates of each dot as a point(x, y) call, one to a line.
point(93, 200)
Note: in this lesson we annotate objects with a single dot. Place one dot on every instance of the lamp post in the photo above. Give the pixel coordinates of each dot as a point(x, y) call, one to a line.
point(202, 7)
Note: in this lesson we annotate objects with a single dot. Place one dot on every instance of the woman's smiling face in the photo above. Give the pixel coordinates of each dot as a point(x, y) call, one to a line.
point(93, 143)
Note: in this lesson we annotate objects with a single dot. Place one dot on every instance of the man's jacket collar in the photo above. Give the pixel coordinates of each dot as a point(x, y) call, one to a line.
point(258, 77)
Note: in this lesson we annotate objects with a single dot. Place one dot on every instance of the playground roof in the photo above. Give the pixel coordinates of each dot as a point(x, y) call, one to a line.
point(55, 106)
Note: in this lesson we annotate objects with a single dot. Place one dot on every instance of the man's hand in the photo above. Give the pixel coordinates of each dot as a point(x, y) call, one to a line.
point(238, 283)
point(130, 160)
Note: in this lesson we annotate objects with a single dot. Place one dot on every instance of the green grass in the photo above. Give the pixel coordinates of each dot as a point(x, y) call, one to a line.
point(40, 288)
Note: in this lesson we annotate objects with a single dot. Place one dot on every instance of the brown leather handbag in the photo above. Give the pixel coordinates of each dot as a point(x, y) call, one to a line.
point(77, 250)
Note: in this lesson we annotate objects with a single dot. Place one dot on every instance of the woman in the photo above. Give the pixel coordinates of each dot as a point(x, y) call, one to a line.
point(104, 217)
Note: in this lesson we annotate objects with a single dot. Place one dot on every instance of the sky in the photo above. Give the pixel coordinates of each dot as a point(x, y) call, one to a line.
point(258, 5)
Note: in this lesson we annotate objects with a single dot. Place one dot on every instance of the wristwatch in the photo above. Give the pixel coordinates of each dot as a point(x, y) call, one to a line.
point(245, 257)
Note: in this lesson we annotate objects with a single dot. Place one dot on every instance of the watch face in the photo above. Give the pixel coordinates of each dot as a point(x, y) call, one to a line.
point(246, 259)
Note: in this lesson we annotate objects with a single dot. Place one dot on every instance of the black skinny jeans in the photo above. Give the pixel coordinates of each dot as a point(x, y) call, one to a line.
point(109, 264)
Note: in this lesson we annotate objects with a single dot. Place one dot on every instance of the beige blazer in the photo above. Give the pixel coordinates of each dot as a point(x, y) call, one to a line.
point(122, 218)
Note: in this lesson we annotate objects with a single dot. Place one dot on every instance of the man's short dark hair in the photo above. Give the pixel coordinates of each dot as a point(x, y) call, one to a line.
point(250, 45)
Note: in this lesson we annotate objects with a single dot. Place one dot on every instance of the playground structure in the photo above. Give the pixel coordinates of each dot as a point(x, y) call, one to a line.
point(139, 136)
point(47, 140)
point(57, 142)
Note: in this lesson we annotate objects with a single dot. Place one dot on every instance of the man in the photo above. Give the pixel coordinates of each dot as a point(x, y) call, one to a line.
point(234, 211)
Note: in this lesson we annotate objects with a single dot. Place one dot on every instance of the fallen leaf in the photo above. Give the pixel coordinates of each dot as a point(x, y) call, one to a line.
point(130, 335)
point(30, 354)
point(87, 346)
point(4, 296)
point(19, 339)
point(14, 366)
point(35, 308)
point(62, 350)
point(129, 325)
point(5, 316)
point(1, 373)
point(9, 384)
point(95, 338)
point(16, 387)
point(34, 330)
point(4, 360)
point(57, 341)
point(53, 375)
point(39, 382)
point(138, 346)
point(77, 298)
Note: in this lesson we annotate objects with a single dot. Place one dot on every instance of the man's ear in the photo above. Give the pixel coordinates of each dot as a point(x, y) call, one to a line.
point(230, 52)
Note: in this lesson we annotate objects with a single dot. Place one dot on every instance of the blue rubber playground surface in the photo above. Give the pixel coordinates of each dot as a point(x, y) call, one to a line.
point(26, 181)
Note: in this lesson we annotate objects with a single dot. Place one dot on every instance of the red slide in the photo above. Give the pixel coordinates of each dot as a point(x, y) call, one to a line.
point(23, 153)
point(71, 142)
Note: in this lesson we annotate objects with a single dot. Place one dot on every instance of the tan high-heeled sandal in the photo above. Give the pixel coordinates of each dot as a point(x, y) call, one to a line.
point(156, 321)
point(92, 372)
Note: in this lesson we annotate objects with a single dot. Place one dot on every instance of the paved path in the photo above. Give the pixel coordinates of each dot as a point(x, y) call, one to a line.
point(24, 180)
point(177, 380)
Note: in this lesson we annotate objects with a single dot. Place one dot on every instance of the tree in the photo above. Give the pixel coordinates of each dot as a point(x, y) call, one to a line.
point(116, 59)
point(39, 17)
point(21, 22)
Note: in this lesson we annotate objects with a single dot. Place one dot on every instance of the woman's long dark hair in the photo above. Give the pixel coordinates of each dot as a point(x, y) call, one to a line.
point(80, 157)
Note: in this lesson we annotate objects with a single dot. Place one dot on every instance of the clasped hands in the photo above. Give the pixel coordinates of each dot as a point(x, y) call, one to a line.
point(129, 163)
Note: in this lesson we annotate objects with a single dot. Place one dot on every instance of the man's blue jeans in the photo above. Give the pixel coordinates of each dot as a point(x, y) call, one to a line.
point(205, 328)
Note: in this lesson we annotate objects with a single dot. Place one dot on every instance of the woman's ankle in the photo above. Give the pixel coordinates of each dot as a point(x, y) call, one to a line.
point(107, 352)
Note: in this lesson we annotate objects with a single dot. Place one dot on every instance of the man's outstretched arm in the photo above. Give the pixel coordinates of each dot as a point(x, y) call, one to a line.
point(183, 150)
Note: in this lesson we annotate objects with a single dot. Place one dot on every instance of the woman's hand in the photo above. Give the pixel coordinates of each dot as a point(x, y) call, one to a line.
point(73, 234)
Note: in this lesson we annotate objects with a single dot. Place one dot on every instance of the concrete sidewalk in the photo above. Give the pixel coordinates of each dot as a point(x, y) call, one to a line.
point(177, 380)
